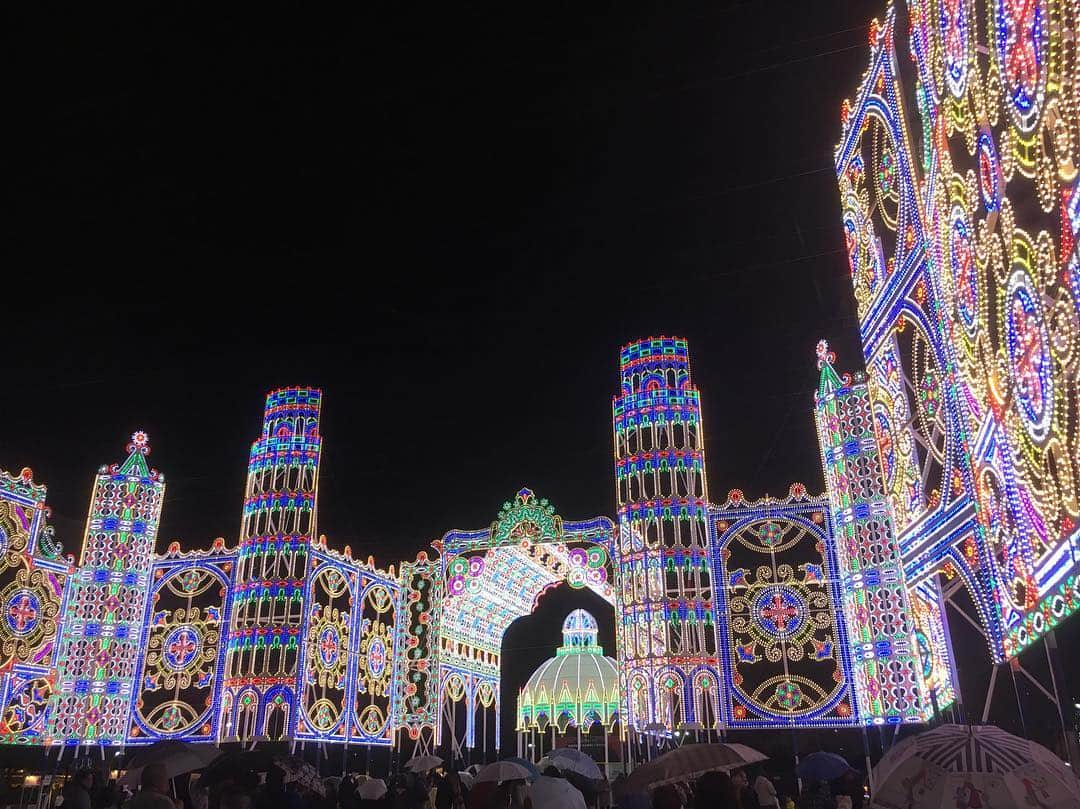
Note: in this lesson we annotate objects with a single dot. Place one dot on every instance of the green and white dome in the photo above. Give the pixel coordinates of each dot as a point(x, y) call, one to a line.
point(579, 685)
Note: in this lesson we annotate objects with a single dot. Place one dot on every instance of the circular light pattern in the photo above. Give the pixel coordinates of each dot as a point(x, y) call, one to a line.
point(329, 646)
point(1028, 349)
point(964, 277)
point(953, 27)
point(886, 443)
point(22, 609)
point(989, 172)
point(181, 647)
point(377, 657)
point(779, 611)
point(1022, 48)
point(926, 654)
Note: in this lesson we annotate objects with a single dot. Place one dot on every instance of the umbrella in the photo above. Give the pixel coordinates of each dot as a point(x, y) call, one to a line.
point(568, 759)
point(467, 779)
point(961, 765)
point(528, 765)
point(297, 770)
point(423, 763)
point(371, 790)
point(555, 793)
point(822, 766)
point(178, 758)
point(502, 771)
point(688, 762)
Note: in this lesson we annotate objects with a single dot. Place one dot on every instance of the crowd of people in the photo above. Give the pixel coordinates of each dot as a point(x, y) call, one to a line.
point(449, 789)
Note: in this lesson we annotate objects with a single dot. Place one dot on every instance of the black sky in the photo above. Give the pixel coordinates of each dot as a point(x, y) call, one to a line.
point(449, 218)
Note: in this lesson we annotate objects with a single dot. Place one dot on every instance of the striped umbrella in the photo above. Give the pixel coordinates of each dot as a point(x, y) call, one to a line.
point(978, 767)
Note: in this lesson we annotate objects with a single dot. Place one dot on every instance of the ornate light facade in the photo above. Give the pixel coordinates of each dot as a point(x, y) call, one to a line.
point(763, 614)
point(958, 177)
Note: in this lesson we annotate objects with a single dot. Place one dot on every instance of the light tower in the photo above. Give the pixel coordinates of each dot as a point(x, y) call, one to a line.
point(103, 621)
point(665, 623)
point(876, 602)
point(264, 639)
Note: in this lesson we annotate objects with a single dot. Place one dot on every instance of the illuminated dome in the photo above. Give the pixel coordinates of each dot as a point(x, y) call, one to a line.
point(578, 686)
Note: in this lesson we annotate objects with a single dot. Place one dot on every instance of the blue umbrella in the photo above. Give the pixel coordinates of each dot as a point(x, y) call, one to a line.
point(823, 767)
point(528, 765)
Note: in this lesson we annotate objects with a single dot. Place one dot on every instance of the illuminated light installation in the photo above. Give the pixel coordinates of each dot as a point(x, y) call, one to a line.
point(265, 636)
point(32, 583)
point(784, 646)
point(179, 675)
point(574, 694)
point(962, 243)
point(101, 638)
point(490, 578)
point(887, 670)
point(284, 638)
point(665, 630)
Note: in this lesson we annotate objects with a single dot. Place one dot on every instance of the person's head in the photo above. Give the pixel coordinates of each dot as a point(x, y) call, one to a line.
point(155, 778)
point(551, 771)
point(716, 789)
point(235, 799)
point(667, 797)
point(85, 778)
point(738, 777)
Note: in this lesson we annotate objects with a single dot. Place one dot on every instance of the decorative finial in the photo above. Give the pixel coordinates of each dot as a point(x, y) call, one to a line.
point(525, 495)
point(824, 356)
point(140, 443)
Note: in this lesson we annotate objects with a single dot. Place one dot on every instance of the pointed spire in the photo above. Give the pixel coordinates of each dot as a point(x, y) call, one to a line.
point(138, 448)
point(829, 381)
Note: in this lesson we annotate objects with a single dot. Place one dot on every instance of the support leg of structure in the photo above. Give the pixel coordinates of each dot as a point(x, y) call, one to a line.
point(1057, 677)
point(1014, 664)
point(989, 693)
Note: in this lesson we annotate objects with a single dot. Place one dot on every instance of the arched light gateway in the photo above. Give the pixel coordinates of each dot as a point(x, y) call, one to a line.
point(492, 577)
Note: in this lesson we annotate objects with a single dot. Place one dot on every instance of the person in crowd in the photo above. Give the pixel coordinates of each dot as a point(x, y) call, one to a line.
point(77, 791)
point(551, 771)
point(346, 793)
point(765, 790)
point(153, 789)
point(816, 795)
point(849, 786)
point(744, 793)
point(716, 789)
point(451, 793)
point(668, 797)
point(236, 798)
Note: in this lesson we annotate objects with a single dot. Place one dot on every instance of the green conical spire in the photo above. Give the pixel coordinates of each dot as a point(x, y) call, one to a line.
point(829, 381)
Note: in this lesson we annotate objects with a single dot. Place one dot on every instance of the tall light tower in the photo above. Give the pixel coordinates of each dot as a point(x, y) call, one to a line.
point(665, 620)
point(278, 523)
point(99, 645)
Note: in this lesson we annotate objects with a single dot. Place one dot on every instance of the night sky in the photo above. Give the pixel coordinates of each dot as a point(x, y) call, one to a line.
point(448, 218)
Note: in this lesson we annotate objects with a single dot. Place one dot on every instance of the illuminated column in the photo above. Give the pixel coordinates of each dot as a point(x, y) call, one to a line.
point(100, 641)
point(265, 631)
point(665, 622)
point(876, 607)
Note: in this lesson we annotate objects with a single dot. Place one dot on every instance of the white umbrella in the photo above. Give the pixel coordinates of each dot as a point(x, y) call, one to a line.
point(178, 758)
point(961, 765)
point(423, 763)
point(568, 759)
point(371, 790)
point(555, 793)
point(502, 771)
